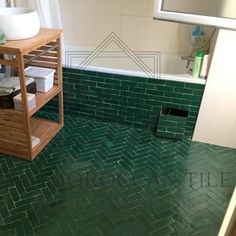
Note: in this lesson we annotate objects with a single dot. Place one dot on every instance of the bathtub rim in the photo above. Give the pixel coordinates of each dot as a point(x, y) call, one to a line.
point(185, 78)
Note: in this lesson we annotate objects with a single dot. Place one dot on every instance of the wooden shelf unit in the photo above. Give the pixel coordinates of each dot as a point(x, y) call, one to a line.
point(16, 127)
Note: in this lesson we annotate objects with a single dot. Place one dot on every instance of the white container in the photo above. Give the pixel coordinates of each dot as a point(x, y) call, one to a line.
point(18, 101)
point(205, 66)
point(44, 77)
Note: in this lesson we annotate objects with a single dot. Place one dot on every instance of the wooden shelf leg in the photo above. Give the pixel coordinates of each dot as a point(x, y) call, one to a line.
point(59, 77)
point(20, 62)
point(60, 108)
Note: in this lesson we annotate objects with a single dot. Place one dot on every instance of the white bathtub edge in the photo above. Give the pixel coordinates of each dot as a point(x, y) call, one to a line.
point(185, 78)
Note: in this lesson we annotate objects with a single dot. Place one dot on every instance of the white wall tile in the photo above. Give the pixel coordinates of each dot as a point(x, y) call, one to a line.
point(85, 29)
point(136, 7)
point(107, 24)
point(84, 6)
point(88, 22)
point(109, 7)
point(69, 18)
point(162, 36)
point(134, 31)
point(151, 8)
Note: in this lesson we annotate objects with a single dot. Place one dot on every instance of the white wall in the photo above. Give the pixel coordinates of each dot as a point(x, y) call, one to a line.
point(87, 23)
point(216, 122)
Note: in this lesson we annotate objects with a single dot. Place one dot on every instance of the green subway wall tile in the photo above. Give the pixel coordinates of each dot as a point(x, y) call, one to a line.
point(160, 82)
point(127, 99)
point(121, 77)
point(129, 83)
point(105, 75)
point(104, 85)
point(197, 92)
point(155, 92)
point(176, 130)
point(136, 79)
point(165, 88)
point(112, 81)
point(171, 126)
point(137, 90)
point(182, 101)
point(194, 86)
point(129, 94)
point(196, 103)
point(95, 79)
point(183, 90)
point(89, 73)
point(151, 102)
point(175, 84)
point(89, 83)
point(145, 85)
point(170, 94)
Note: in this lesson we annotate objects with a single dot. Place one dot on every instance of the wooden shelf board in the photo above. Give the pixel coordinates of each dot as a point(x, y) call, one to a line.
point(15, 154)
point(45, 36)
point(10, 112)
point(43, 98)
point(45, 130)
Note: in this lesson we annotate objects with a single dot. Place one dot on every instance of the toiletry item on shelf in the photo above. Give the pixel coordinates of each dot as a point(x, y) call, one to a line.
point(2, 37)
point(35, 141)
point(10, 87)
point(205, 66)
point(198, 63)
point(44, 77)
point(2, 67)
point(30, 98)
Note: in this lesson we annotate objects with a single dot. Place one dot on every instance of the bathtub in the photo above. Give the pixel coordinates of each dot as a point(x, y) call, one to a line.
point(153, 64)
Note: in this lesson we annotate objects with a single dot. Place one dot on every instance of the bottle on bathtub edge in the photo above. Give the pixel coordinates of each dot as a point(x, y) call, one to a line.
point(197, 38)
point(198, 59)
point(205, 66)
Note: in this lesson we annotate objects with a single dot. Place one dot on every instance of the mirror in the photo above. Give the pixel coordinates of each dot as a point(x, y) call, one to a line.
point(218, 13)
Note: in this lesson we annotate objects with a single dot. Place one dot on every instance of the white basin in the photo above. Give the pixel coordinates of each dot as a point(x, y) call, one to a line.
point(19, 23)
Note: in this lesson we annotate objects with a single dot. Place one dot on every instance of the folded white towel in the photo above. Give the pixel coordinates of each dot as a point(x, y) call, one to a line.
point(9, 85)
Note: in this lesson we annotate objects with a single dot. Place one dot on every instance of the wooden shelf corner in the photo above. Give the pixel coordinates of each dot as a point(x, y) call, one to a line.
point(17, 127)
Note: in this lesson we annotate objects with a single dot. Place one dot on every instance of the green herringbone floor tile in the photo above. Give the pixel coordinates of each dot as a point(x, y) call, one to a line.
point(99, 178)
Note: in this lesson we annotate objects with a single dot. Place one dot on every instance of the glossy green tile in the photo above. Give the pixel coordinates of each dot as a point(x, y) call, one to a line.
point(146, 85)
point(183, 90)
